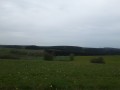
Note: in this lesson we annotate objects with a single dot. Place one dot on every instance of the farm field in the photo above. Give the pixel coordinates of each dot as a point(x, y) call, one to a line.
point(80, 74)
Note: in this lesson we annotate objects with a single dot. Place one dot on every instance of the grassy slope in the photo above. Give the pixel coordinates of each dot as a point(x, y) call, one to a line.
point(70, 75)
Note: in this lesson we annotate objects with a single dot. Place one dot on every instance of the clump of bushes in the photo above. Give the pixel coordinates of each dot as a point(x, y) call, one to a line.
point(71, 57)
point(49, 56)
point(99, 60)
point(8, 56)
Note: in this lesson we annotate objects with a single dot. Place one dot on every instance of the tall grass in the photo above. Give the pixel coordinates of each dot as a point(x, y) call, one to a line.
point(79, 74)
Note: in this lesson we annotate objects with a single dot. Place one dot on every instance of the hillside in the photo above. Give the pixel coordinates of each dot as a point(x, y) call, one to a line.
point(66, 50)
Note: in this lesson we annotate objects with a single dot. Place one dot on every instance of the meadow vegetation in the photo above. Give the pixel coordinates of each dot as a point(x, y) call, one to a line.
point(35, 73)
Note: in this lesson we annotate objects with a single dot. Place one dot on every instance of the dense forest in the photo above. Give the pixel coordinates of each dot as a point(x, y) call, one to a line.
point(66, 50)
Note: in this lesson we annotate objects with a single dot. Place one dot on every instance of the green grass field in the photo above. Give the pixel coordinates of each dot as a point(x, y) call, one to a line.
point(79, 74)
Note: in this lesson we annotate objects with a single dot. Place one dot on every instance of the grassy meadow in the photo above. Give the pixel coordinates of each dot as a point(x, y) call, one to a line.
point(80, 74)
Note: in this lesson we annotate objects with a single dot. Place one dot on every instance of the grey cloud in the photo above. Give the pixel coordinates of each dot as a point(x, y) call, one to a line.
point(91, 23)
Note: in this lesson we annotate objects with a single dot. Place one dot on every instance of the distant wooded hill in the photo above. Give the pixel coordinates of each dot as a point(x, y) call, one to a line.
point(66, 50)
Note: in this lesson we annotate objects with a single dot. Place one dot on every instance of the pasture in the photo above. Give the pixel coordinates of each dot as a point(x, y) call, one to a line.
point(80, 74)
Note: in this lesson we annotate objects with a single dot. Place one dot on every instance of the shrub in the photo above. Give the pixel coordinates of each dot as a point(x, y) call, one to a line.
point(99, 60)
point(48, 56)
point(71, 57)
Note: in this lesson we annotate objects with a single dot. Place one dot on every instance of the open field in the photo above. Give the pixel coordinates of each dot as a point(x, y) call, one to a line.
point(79, 74)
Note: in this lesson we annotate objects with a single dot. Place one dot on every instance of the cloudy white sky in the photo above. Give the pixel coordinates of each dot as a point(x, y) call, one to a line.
point(87, 23)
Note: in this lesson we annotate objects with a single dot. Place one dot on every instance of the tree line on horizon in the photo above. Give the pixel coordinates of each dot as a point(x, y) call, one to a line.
point(67, 50)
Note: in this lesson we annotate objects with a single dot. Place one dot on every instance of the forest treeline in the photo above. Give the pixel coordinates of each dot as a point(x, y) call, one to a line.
point(67, 50)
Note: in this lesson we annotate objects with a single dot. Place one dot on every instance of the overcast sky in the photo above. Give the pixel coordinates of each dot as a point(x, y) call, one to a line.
point(86, 23)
